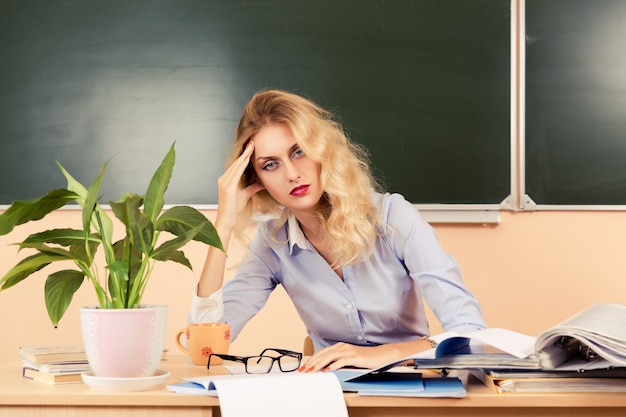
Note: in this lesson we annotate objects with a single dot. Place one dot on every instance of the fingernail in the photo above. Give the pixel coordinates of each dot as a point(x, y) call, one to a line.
point(310, 369)
point(300, 369)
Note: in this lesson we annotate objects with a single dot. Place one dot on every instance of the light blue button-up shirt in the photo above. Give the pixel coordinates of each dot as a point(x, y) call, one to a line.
point(380, 300)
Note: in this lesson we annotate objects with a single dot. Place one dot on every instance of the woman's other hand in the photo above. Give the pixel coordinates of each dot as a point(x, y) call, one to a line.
point(342, 354)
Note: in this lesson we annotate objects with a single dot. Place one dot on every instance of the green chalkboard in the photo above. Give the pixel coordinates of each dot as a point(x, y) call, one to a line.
point(576, 102)
point(425, 85)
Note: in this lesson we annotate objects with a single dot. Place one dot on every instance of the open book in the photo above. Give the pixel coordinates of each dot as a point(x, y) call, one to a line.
point(274, 394)
point(594, 338)
point(492, 348)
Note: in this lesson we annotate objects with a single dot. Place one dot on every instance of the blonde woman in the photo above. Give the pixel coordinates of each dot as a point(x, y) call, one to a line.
point(357, 264)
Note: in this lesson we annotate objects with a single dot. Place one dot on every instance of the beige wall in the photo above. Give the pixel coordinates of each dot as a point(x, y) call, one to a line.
point(529, 272)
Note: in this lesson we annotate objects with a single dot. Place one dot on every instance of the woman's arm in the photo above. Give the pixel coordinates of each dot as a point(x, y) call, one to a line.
point(231, 201)
point(435, 271)
point(345, 354)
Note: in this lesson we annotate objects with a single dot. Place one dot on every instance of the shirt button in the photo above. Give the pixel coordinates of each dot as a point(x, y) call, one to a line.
point(349, 306)
point(359, 338)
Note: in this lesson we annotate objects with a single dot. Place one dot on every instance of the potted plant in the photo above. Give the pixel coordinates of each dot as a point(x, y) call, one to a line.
point(113, 349)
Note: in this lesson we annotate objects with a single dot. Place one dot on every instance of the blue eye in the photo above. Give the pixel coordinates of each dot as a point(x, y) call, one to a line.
point(269, 166)
point(298, 153)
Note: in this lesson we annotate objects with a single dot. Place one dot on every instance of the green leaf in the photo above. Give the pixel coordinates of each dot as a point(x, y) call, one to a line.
point(59, 291)
point(176, 256)
point(138, 225)
point(63, 237)
point(118, 281)
point(79, 252)
point(158, 185)
point(26, 267)
point(168, 251)
point(53, 250)
point(119, 268)
point(179, 220)
point(23, 211)
point(107, 225)
point(127, 208)
point(91, 199)
point(129, 254)
point(74, 185)
point(73, 239)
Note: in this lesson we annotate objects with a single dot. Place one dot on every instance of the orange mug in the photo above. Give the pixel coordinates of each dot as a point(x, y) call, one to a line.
point(203, 339)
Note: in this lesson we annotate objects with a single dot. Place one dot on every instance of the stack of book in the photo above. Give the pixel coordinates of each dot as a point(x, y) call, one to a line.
point(53, 364)
point(598, 380)
point(585, 353)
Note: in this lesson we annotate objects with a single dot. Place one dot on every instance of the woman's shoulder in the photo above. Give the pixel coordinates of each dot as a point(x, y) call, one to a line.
point(400, 216)
point(393, 205)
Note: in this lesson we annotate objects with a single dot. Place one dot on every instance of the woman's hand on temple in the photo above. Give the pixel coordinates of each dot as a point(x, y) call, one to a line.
point(231, 198)
point(231, 201)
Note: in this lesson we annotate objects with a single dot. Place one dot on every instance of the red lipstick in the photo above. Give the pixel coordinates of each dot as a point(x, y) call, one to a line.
point(299, 190)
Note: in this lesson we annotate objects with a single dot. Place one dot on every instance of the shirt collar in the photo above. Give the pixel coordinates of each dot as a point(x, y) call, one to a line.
point(295, 234)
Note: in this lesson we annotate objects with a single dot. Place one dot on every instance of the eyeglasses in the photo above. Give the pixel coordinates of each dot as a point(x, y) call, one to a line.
point(288, 361)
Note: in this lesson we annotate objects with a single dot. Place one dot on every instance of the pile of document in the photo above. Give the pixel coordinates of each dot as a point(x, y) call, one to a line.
point(585, 353)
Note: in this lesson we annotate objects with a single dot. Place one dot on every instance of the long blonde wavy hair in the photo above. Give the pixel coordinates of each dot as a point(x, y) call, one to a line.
point(350, 217)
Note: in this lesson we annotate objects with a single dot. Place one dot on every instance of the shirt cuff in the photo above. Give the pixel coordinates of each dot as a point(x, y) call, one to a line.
point(206, 309)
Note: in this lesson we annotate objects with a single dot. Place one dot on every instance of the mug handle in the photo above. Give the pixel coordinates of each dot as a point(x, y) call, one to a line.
point(177, 340)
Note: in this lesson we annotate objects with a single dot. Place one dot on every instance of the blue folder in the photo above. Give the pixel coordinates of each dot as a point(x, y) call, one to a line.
point(400, 384)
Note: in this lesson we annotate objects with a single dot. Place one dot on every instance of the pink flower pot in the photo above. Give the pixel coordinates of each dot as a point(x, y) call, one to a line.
point(124, 343)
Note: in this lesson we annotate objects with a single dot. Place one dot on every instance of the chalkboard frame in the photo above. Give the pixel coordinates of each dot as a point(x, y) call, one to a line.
point(571, 157)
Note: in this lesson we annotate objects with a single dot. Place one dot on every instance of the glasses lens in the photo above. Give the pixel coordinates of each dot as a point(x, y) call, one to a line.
point(289, 363)
point(259, 364)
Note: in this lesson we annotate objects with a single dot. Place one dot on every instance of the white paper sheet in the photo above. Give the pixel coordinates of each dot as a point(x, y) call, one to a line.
point(316, 394)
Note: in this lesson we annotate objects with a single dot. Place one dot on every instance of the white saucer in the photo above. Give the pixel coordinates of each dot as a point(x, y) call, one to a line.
point(125, 384)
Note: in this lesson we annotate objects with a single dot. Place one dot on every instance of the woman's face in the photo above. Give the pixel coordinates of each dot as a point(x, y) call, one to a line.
point(291, 177)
